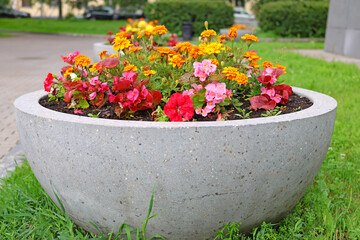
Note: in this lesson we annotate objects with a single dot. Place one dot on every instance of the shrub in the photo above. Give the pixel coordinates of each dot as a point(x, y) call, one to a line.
point(299, 19)
point(172, 13)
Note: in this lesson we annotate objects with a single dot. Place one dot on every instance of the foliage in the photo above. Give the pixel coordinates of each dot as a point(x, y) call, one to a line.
point(259, 3)
point(298, 19)
point(174, 12)
point(208, 79)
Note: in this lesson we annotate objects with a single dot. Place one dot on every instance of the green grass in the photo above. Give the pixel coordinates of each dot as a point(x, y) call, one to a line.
point(5, 35)
point(328, 210)
point(80, 26)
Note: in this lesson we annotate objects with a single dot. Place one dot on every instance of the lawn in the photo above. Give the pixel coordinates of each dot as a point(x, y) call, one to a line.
point(79, 26)
point(328, 210)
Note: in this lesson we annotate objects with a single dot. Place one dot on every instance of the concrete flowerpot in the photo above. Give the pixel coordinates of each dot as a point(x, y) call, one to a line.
point(206, 174)
point(101, 46)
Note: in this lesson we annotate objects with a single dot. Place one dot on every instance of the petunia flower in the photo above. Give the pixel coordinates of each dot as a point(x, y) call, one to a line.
point(179, 107)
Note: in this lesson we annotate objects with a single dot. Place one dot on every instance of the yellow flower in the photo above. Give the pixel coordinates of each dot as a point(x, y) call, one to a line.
point(232, 33)
point(251, 56)
point(93, 67)
point(208, 33)
point(121, 44)
point(130, 68)
point(211, 48)
point(241, 79)
point(267, 64)
point(134, 49)
point(68, 72)
point(121, 34)
point(164, 51)
point(139, 34)
point(254, 64)
point(82, 60)
point(142, 24)
point(114, 55)
point(176, 60)
point(149, 72)
point(281, 67)
point(160, 29)
point(250, 38)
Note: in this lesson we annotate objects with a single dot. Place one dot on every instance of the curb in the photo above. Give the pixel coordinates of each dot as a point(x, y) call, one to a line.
point(11, 160)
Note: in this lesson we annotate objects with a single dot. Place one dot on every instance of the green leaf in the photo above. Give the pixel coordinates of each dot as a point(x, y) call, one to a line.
point(83, 104)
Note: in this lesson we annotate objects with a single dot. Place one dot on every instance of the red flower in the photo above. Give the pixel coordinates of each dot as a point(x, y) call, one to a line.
point(179, 107)
point(48, 82)
point(284, 91)
point(263, 102)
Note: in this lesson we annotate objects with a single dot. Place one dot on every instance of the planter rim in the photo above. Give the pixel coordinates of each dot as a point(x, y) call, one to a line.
point(322, 104)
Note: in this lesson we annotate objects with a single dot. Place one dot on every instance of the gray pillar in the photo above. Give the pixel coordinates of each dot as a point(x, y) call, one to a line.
point(343, 28)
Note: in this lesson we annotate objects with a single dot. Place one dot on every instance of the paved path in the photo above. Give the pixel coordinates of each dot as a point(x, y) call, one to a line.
point(25, 61)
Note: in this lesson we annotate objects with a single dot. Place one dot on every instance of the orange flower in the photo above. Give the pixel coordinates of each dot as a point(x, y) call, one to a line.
point(232, 33)
point(93, 67)
point(164, 51)
point(130, 20)
point(134, 49)
point(149, 72)
point(231, 72)
point(68, 72)
point(250, 38)
point(103, 54)
point(208, 33)
point(125, 63)
point(121, 35)
point(223, 38)
point(176, 61)
point(156, 21)
point(121, 44)
point(267, 64)
point(195, 51)
point(211, 48)
point(281, 67)
point(183, 47)
point(241, 79)
point(251, 56)
point(130, 68)
point(254, 64)
point(214, 61)
point(160, 29)
point(82, 60)
point(153, 57)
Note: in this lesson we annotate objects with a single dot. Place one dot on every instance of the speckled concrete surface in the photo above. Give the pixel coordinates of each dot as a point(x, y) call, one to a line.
point(205, 173)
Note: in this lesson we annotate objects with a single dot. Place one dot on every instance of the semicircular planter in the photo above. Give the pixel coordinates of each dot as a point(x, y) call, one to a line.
point(206, 174)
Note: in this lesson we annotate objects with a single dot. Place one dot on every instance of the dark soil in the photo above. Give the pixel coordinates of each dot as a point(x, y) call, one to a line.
point(295, 103)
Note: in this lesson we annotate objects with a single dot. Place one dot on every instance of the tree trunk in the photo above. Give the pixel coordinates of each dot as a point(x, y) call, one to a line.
point(60, 9)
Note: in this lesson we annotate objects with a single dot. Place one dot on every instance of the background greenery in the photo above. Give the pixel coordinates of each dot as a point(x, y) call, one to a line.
point(294, 18)
point(173, 12)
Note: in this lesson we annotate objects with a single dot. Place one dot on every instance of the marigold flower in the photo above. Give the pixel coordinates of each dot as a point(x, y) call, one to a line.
point(164, 51)
point(153, 57)
point(231, 72)
point(252, 56)
point(135, 49)
point(149, 72)
point(183, 47)
point(254, 64)
point(121, 35)
point(176, 61)
point(211, 48)
point(160, 29)
point(250, 38)
point(68, 72)
point(208, 33)
point(121, 44)
point(114, 55)
point(82, 60)
point(241, 78)
point(232, 33)
point(214, 61)
point(223, 38)
point(93, 67)
point(281, 67)
point(195, 51)
point(130, 68)
point(267, 64)
point(103, 54)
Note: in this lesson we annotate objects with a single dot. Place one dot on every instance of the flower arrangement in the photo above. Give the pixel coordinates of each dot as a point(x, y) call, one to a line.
point(188, 82)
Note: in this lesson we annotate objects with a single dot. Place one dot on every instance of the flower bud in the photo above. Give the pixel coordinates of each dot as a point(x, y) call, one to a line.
point(206, 25)
point(222, 63)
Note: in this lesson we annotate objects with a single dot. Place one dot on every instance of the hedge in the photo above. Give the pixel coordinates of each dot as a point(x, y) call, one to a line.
point(294, 19)
point(218, 13)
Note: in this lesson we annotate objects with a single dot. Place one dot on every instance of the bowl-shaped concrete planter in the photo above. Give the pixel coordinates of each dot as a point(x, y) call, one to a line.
point(206, 173)
point(101, 46)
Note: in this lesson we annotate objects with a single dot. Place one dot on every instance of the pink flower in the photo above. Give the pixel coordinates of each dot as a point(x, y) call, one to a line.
point(189, 92)
point(215, 92)
point(269, 76)
point(133, 95)
point(179, 107)
point(131, 76)
point(78, 111)
point(70, 57)
point(92, 95)
point(204, 69)
point(48, 82)
point(197, 87)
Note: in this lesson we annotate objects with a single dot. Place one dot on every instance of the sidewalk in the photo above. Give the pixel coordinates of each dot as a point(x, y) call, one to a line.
point(25, 60)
